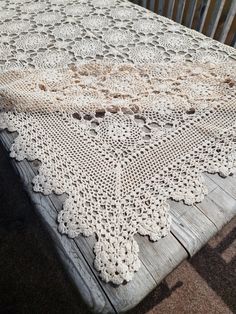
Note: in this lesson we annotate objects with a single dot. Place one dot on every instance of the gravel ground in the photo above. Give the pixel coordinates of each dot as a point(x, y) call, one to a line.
point(32, 279)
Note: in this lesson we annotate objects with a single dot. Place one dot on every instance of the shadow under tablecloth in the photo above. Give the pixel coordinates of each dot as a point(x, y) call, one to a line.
point(32, 279)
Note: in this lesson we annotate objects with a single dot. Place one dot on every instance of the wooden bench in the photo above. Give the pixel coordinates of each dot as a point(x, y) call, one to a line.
point(215, 19)
point(192, 227)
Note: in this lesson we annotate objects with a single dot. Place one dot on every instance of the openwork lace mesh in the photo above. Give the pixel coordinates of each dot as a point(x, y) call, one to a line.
point(125, 110)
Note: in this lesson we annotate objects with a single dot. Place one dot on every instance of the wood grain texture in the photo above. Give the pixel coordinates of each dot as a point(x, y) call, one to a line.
point(194, 225)
point(156, 6)
point(190, 12)
point(206, 7)
point(160, 7)
point(220, 205)
point(160, 256)
point(170, 8)
point(211, 185)
point(191, 226)
point(152, 5)
point(228, 184)
point(180, 11)
point(228, 22)
point(215, 17)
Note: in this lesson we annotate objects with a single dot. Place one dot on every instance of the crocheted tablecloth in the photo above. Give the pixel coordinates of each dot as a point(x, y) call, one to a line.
point(125, 109)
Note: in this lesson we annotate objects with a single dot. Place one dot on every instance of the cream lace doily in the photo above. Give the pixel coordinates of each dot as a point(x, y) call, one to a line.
point(123, 115)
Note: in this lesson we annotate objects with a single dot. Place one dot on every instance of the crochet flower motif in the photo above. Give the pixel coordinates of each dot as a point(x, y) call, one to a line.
point(119, 132)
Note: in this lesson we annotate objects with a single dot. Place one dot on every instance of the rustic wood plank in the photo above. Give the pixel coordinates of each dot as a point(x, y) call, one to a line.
point(156, 5)
point(170, 8)
point(191, 226)
point(215, 17)
point(219, 206)
point(159, 257)
point(180, 11)
point(211, 185)
point(204, 15)
point(227, 184)
point(144, 3)
point(160, 9)
point(152, 5)
point(234, 41)
point(190, 12)
point(228, 22)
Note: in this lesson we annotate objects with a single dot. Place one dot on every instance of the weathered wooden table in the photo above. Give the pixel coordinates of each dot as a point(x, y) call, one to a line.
point(192, 227)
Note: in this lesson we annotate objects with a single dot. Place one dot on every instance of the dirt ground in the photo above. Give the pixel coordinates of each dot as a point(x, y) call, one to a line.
point(32, 279)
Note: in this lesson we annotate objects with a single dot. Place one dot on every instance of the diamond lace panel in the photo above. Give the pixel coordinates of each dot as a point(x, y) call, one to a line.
point(121, 140)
